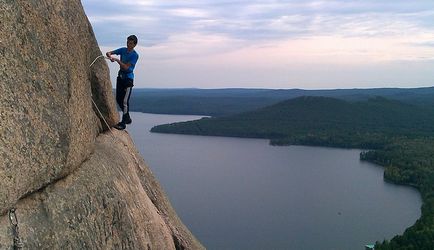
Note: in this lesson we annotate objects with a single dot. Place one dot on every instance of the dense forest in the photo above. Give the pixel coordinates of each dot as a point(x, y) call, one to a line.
point(395, 134)
point(299, 120)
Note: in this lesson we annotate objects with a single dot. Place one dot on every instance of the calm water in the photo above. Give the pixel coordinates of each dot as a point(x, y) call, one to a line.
point(245, 194)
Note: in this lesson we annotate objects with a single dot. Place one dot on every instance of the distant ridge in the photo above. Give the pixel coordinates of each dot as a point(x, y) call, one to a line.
point(221, 102)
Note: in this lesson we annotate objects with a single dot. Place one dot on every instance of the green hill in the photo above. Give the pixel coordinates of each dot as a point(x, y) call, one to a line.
point(318, 121)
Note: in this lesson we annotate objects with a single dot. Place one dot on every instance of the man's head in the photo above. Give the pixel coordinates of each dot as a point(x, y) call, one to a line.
point(131, 42)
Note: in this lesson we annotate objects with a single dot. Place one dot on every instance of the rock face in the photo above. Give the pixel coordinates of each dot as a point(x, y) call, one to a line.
point(112, 201)
point(75, 184)
point(47, 123)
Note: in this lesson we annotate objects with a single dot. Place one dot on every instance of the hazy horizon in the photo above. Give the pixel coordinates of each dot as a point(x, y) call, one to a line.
point(265, 88)
point(306, 44)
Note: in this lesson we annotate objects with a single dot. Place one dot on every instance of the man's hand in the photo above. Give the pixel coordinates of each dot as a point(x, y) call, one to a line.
point(114, 59)
point(109, 56)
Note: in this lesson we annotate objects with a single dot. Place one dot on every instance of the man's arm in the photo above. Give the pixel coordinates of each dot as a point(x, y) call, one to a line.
point(109, 55)
point(123, 66)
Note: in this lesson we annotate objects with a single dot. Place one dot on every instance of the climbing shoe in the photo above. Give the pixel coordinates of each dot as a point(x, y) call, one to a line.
point(126, 118)
point(120, 126)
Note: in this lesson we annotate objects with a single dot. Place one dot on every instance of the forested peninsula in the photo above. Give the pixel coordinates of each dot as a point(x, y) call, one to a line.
point(397, 135)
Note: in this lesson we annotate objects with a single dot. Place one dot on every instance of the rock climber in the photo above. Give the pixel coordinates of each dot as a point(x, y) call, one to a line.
point(125, 79)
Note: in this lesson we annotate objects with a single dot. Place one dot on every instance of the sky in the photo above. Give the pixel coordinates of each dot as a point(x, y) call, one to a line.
point(306, 44)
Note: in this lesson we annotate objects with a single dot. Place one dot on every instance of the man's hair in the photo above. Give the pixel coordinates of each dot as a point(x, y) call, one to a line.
point(133, 38)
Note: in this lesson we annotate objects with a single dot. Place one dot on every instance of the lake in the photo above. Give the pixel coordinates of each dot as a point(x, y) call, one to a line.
point(236, 193)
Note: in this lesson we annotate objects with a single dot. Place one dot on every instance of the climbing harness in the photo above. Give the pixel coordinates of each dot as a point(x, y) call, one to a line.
point(18, 244)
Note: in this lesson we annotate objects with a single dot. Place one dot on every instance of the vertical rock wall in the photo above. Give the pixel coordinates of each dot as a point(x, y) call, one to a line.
point(75, 185)
point(47, 122)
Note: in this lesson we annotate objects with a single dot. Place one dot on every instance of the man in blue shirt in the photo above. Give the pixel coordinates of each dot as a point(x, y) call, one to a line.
point(125, 79)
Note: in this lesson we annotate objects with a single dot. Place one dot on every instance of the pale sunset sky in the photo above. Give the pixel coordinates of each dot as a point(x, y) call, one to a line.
point(303, 44)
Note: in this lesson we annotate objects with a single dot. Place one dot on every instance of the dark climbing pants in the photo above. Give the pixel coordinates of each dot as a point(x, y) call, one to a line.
point(124, 87)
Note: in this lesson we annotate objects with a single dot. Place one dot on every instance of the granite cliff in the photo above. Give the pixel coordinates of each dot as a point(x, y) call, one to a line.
point(75, 184)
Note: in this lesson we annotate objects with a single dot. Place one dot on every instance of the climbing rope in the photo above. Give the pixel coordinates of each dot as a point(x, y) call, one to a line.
point(97, 59)
point(94, 104)
point(101, 115)
point(18, 244)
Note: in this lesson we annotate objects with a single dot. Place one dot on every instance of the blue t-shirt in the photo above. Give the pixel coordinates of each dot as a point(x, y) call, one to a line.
point(127, 57)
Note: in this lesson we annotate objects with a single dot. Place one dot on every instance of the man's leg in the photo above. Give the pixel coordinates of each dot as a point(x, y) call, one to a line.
point(120, 93)
point(126, 106)
point(120, 96)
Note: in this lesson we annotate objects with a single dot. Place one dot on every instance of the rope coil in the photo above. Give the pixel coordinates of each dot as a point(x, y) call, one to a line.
point(18, 244)
point(13, 217)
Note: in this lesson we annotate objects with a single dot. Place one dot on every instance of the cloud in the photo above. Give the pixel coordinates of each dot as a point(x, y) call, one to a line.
point(268, 37)
point(427, 43)
point(259, 20)
point(188, 12)
point(192, 46)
